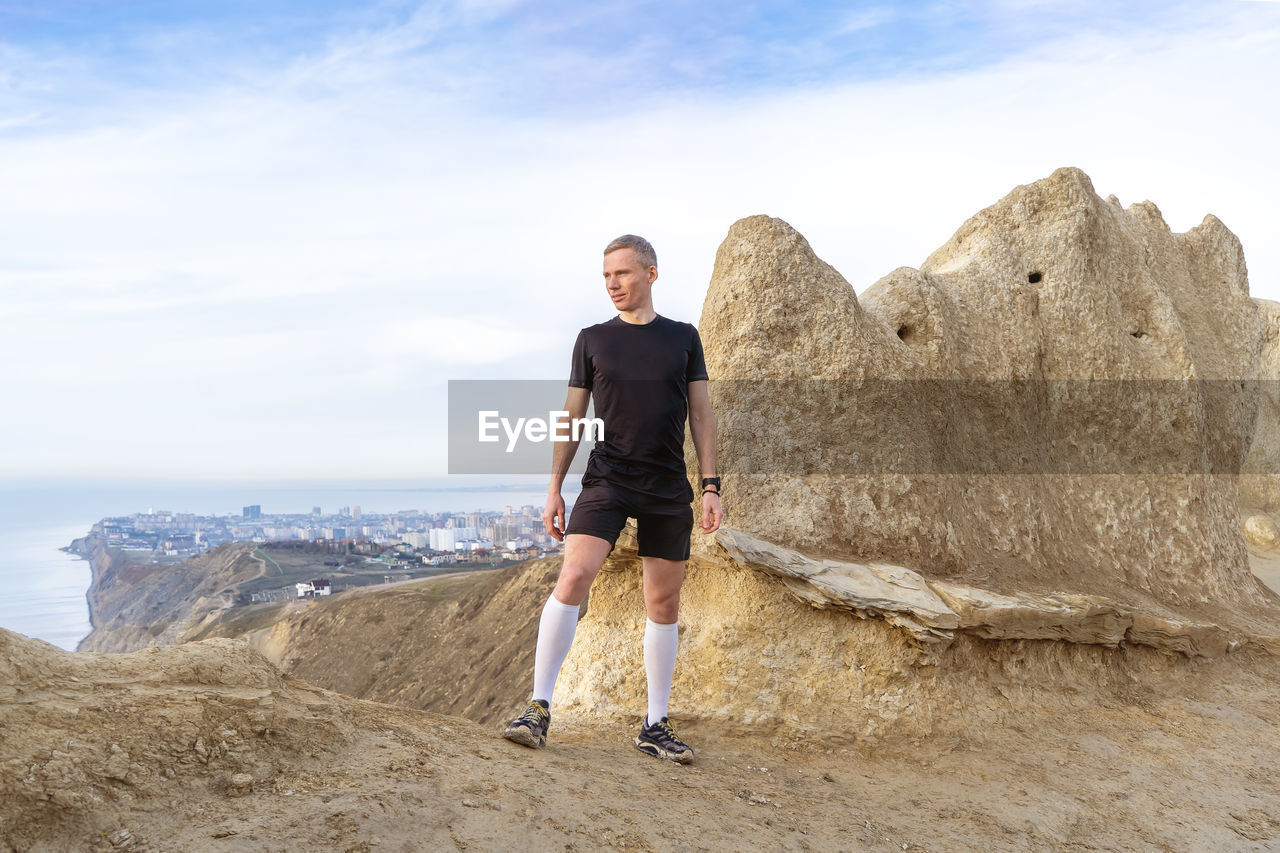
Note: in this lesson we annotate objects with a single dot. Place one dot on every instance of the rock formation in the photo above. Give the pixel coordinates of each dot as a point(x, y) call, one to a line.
point(1021, 460)
point(1055, 332)
point(1260, 482)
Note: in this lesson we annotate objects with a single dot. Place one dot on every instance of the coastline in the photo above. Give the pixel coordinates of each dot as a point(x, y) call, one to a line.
point(84, 548)
point(48, 525)
point(45, 580)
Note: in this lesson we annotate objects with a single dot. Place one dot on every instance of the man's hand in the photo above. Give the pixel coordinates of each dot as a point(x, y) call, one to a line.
point(553, 513)
point(712, 514)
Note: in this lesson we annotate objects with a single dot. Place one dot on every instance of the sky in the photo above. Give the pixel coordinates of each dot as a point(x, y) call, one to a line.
point(256, 239)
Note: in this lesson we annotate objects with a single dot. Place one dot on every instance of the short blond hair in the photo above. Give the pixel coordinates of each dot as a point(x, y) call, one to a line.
point(642, 247)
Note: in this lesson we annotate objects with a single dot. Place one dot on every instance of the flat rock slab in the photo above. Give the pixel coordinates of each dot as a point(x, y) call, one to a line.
point(932, 611)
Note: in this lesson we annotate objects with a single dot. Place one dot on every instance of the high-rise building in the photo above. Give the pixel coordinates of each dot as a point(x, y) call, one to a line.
point(442, 539)
point(254, 511)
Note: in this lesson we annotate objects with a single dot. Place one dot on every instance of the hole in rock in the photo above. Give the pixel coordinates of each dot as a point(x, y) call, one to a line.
point(1138, 333)
point(1033, 277)
point(906, 333)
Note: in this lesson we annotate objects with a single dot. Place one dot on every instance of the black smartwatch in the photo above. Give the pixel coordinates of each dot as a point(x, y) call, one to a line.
point(710, 481)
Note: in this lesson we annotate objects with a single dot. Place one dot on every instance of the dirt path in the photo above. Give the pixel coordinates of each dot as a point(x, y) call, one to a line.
point(1183, 775)
point(140, 752)
point(257, 552)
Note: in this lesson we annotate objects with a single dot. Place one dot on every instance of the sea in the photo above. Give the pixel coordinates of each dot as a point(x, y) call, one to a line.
point(42, 588)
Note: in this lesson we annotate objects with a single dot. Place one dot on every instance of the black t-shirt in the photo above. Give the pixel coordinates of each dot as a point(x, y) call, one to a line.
point(639, 377)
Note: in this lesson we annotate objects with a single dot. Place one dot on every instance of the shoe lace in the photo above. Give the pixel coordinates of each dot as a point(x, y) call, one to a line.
point(535, 713)
point(668, 729)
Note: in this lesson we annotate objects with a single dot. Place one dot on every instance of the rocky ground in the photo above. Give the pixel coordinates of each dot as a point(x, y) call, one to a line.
point(208, 746)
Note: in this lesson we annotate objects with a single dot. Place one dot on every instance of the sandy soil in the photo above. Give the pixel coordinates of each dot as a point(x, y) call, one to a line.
point(1152, 771)
point(208, 746)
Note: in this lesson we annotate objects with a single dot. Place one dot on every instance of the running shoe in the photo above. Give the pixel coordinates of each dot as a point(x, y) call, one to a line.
point(530, 728)
point(660, 739)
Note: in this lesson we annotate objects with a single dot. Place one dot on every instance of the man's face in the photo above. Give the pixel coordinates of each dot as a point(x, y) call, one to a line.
point(627, 282)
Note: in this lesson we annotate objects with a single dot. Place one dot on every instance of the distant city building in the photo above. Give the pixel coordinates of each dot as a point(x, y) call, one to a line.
point(178, 534)
point(442, 540)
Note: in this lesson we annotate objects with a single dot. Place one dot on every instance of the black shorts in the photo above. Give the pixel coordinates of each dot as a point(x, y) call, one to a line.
point(662, 526)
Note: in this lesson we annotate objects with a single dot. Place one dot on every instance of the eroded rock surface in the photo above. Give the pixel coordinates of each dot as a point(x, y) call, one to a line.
point(1029, 449)
point(1050, 404)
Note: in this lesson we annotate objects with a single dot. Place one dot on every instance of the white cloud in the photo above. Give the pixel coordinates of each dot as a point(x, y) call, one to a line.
point(863, 19)
point(461, 340)
point(287, 271)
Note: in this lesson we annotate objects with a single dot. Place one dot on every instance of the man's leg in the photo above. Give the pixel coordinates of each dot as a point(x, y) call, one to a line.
point(662, 581)
point(664, 550)
point(583, 556)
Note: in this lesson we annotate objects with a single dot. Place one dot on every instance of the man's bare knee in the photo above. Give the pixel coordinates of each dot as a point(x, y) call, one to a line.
point(662, 582)
point(665, 611)
point(574, 581)
point(584, 555)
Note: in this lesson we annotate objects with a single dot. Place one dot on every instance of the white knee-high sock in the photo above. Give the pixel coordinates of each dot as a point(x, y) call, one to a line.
point(660, 643)
point(555, 636)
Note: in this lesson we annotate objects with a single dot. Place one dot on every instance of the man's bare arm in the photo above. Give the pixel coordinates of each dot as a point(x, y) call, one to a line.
point(563, 451)
point(702, 424)
point(561, 458)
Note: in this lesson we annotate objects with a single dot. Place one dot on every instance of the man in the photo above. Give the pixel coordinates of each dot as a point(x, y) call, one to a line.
point(647, 374)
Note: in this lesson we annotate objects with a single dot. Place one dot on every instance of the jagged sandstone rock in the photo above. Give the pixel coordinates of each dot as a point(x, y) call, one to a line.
point(923, 371)
point(1023, 457)
point(1260, 482)
point(933, 611)
point(763, 648)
